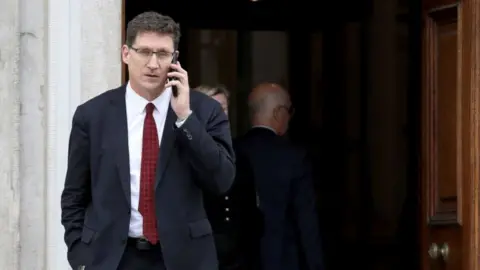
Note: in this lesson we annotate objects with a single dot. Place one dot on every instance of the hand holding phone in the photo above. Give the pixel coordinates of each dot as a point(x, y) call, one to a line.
point(174, 61)
point(178, 80)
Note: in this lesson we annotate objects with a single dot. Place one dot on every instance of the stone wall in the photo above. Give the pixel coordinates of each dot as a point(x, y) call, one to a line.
point(54, 54)
point(9, 135)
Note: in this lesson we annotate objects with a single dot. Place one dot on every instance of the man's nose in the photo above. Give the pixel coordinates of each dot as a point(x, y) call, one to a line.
point(153, 61)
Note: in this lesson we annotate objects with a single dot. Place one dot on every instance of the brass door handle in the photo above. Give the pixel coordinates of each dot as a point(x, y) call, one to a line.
point(435, 251)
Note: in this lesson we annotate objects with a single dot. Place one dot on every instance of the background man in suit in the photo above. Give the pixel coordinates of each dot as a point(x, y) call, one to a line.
point(220, 93)
point(140, 158)
point(284, 184)
point(235, 217)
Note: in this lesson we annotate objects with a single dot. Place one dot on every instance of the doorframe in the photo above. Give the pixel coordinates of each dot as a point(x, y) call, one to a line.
point(471, 54)
point(470, 58)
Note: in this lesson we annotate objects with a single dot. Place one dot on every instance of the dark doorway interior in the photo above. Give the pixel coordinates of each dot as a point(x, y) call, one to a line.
point(339, 90)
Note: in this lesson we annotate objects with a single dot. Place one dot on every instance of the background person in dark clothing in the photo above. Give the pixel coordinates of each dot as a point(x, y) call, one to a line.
point(284, 184)
point(220, 93)
point(235, 218)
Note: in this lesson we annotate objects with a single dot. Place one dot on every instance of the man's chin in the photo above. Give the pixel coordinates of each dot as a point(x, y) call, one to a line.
point(152, 86)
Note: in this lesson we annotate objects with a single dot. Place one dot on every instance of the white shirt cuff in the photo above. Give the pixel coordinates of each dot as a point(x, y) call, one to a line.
point(180, 122)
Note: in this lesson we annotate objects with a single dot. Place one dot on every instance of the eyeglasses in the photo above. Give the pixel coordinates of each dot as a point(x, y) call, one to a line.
point(146, 54)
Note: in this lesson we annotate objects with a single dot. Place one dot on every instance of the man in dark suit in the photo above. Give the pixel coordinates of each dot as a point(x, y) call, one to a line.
point(235, 217)
point(140, 157)
point(284, 184)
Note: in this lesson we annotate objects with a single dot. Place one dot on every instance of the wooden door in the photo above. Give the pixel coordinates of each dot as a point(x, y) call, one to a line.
point(450, 135)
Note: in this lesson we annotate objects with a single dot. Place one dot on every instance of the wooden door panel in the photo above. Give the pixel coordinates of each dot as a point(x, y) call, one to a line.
point(444, 119)
point(449, 136)
point(429, 5)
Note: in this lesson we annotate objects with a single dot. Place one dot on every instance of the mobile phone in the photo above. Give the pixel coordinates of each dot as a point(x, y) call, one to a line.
point(174, 61)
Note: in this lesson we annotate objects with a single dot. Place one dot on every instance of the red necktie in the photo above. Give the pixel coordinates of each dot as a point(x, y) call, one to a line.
point(150, 149)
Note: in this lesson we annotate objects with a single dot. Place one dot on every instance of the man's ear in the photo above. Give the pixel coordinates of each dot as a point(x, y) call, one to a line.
point(125, 54)
point(275, 114)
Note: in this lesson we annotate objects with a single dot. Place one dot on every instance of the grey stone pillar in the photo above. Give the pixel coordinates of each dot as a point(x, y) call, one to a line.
point(9, 135)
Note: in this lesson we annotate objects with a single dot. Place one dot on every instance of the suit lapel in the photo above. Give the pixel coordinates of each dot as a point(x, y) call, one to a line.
point(119, 133)
point(166, 145)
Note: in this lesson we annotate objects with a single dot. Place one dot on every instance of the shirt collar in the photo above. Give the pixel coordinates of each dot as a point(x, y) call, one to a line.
point(137, 103)
point(265, 127)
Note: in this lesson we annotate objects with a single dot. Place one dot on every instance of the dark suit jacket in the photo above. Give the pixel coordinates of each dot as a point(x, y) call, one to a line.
point(236, 219)
point(96, 199)
point(285, 188)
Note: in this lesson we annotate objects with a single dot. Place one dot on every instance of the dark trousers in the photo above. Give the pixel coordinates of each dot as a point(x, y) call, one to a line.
point(136, 259)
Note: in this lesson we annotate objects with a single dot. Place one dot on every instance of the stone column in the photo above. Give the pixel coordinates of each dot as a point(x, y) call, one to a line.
point(83, 61)
point(101, 41)
point(9, 135)
point(54, 54)
point(32, 89)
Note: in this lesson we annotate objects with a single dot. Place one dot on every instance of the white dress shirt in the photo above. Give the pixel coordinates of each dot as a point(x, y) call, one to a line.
point(135, 105)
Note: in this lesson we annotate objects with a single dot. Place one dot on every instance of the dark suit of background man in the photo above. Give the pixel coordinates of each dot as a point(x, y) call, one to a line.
point(139, 160)
point(284, 184)
point(235, 217)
